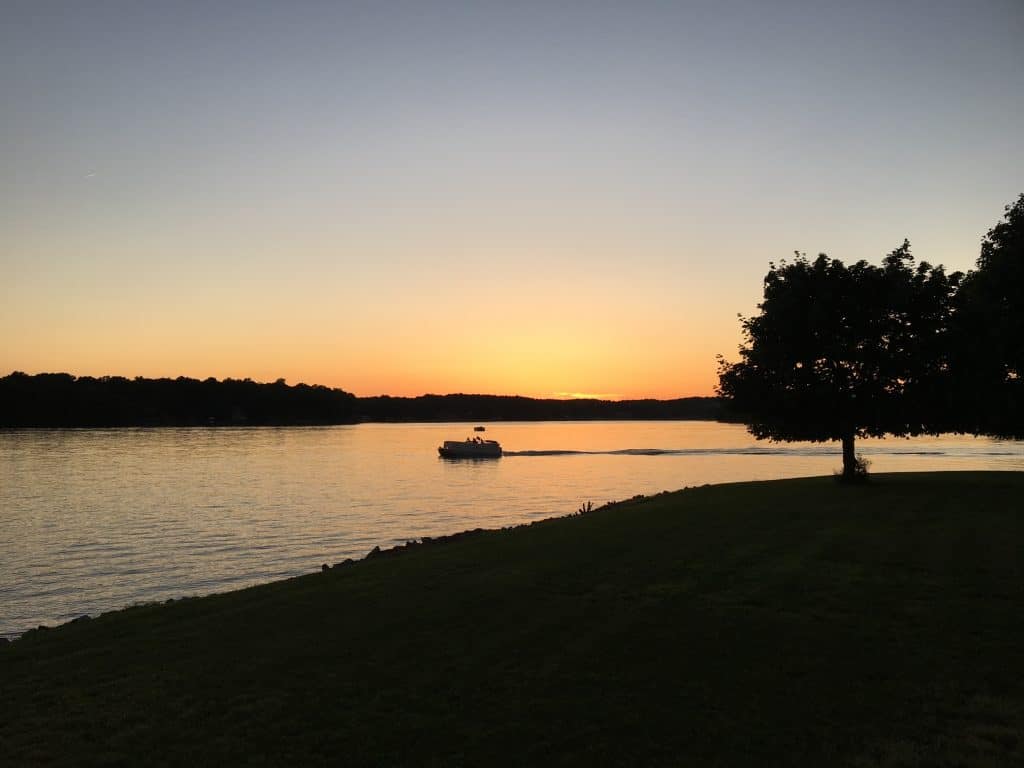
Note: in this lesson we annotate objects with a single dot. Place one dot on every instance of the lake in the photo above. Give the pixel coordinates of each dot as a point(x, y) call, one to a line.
point(93, 520)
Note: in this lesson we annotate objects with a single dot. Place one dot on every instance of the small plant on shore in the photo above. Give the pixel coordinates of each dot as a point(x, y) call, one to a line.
point(859, 474)
point(588, 507)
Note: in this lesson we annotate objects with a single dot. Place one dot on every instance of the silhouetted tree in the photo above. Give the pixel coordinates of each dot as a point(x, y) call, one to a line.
point(989, 361)
point(839, 352)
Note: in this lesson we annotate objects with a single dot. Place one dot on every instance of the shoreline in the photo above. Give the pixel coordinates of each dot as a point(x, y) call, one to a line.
point(414, 544)
point(798, 622)
point(377, 552)
point(324, 425)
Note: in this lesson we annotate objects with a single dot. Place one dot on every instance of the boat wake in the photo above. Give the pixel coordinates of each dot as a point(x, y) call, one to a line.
point(760, 451)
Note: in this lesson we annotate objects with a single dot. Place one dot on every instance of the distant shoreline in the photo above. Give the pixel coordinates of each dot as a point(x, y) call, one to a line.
point(60, 400)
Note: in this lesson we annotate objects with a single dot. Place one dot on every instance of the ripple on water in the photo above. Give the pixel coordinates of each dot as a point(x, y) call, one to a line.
point(93, 520)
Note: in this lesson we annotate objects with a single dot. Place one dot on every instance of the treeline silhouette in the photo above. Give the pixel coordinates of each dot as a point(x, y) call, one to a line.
point(63, 400)
point(845, 351)
point(460, 407)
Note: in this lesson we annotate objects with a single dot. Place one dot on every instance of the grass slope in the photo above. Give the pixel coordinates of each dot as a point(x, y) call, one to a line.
point(781, 623)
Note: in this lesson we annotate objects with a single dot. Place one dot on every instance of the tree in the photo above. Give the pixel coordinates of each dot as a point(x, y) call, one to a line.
point(839, 352)
point(989, 364)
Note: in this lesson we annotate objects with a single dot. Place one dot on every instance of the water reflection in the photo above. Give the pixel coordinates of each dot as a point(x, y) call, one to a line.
point(92, 520)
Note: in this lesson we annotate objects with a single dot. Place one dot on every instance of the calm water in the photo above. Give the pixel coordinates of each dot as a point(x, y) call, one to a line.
point(92, 520)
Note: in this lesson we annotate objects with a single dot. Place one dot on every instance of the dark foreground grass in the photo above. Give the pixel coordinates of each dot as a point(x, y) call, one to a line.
point(784, 623)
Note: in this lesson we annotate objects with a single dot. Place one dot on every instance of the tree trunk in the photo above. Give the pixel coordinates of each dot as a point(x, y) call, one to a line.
point(849, 458)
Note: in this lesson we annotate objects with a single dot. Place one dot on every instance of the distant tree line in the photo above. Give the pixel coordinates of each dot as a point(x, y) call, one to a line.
point(460, 407)
point(63, 400)
point(838, 352)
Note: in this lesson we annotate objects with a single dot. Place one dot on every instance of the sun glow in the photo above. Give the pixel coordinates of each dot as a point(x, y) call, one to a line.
point(585, 396)
point(391, 208)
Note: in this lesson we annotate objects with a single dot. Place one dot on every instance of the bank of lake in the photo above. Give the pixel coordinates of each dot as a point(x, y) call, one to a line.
point(791, 622)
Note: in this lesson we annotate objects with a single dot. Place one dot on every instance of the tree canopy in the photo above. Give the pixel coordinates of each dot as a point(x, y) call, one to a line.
point(63, 400)
point(839, 352)
point(989, 359)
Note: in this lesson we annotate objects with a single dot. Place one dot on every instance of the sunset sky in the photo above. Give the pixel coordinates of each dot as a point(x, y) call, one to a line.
point(536, 198)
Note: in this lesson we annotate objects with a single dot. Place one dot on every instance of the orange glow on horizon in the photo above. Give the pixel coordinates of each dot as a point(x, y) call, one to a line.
point(410, 385)
point(405, 201)
point(532, 338)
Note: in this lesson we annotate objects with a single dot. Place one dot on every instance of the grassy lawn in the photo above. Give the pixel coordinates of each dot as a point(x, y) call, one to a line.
point(794, 622)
